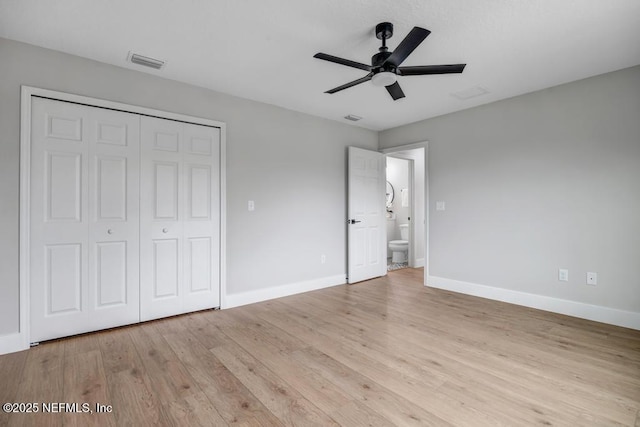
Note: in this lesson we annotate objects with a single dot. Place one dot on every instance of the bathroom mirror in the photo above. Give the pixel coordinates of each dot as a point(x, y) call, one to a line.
point(390, 193)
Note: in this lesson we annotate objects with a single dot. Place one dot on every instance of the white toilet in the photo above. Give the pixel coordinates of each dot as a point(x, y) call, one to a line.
point(400, 248)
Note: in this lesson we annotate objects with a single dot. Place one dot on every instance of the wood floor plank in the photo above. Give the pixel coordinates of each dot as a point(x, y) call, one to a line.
point(85, 382)
point(388, 351)
point(232, 400)
point(169, 379)
point(132, 399)
point(11, 373)
point(41, 383)
point(356, 414)
point(377, 398)
point(569, 390)
point(621, 393)
point(324, 394)
point(410, 384)
point(119, 352)
point(194, 410)
point(286, 403)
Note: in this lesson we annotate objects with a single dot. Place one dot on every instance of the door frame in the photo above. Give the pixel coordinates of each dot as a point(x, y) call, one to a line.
point(406, 147)
point(22, 341)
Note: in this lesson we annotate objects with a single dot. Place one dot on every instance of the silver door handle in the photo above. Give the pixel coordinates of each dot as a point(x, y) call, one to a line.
point(353, 221)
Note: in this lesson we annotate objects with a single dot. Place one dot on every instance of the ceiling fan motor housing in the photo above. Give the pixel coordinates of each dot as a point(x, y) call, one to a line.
point(379, 58)
point(384, 31)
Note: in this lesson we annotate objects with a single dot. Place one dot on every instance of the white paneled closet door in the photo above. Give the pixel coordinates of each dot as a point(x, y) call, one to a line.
point(84, 231)
point(180, 234)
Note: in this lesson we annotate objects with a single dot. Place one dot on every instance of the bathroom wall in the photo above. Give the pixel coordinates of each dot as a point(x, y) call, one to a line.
point(398, 176)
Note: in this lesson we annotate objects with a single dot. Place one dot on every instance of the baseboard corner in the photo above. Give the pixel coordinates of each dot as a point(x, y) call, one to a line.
point(12, 343)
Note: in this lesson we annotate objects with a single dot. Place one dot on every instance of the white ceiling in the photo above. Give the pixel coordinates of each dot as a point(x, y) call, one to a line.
point(263, 49)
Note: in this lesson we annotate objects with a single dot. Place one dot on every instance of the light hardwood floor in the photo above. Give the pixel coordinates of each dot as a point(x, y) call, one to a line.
point(387, 352)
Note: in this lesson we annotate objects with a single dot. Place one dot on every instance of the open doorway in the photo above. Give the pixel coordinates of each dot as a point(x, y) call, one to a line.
point(399, 198)
point(415, 200)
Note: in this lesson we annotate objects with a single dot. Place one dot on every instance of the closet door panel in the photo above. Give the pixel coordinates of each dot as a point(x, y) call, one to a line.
point(111, 274)
point(161, 212)
point(84, 219)
point(165, 190)
point(63, 279)
point(58, 220)
point(165, 268)
point(63, 186)
point(111, 188)
point(179, 218)
point(201, 159)
point(114, 218)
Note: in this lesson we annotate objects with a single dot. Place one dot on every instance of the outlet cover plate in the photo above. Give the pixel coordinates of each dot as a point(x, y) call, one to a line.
point(592, 278)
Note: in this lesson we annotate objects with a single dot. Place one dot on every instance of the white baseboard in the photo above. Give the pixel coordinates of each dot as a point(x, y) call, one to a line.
point(12, 343)
point(612, 316)
point(250, 297)
point(419, 263)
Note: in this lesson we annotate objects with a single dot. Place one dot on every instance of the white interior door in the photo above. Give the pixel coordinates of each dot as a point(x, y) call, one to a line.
point(83, 219)
point(366, 210)
point(179, 211)
point(201, 223)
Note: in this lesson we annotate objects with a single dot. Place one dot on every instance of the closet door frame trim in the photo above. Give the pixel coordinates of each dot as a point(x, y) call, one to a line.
point(21, 340)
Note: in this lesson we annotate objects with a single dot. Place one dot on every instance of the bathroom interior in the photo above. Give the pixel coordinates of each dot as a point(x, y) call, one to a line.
point(398, 200)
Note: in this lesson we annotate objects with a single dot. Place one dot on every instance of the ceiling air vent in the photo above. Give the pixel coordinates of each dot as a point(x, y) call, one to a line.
point(352, 117)
point(470, 93)
point(146, 61)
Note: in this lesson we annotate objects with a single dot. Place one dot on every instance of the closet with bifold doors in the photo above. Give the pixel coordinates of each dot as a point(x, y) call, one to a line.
point(124, 218)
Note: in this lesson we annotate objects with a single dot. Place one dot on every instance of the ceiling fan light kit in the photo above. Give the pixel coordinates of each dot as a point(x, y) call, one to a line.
point(383, 78)
point(385, 66)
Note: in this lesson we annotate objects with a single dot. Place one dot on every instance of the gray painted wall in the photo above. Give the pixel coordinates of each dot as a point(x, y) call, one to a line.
point(537, 182)
point(291, 164)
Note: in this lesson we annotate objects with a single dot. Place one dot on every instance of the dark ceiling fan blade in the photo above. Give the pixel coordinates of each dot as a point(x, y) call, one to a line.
point(342, 61)
point(422, 70)
point(350, 84)
point(395, 91)
point(408, 45)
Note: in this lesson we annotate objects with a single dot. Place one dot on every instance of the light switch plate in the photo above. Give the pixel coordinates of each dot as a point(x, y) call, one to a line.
point(563, 275)
point(592, 278)
point(251, 206)
point(440, 206)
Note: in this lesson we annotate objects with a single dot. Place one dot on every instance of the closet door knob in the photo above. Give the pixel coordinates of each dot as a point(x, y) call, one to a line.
point(109, 231)
point(165, 230)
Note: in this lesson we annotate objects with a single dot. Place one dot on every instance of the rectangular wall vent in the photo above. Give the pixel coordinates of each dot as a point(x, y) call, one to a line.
point(146, 61)
point(352, 117)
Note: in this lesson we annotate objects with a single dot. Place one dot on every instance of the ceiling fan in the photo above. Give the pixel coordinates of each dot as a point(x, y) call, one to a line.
point(385, 66)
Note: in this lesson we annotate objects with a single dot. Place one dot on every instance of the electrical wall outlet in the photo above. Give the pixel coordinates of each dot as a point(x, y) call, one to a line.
point(592, 278)
point(563, 275)
point(323, 259)
point(251, 206)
